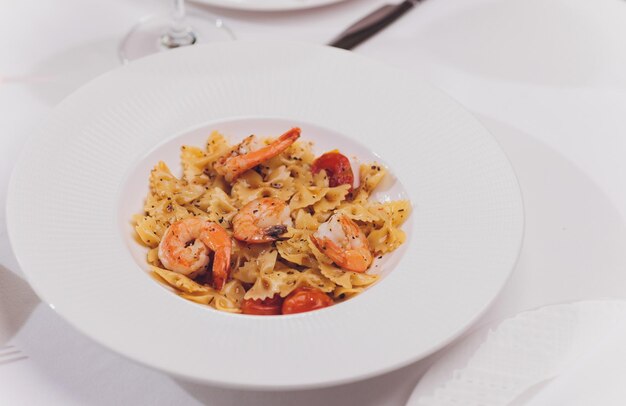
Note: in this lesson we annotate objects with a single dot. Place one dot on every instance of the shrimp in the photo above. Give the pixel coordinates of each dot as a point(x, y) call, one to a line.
point(244, 157)
point(186, 244)
point(262, 220)
point(344, 243)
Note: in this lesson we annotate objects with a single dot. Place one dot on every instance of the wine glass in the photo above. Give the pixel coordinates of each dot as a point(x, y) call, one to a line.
point(159, 33)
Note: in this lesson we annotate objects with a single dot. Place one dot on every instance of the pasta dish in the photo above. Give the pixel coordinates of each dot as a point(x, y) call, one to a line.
point(265, 227)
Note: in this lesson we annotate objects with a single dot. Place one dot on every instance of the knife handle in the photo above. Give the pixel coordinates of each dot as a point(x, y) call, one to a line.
point(371, 24)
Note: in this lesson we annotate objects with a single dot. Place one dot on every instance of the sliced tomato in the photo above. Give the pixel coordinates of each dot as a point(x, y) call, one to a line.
point(305, 299)
point(262, 307)
point(337, 167)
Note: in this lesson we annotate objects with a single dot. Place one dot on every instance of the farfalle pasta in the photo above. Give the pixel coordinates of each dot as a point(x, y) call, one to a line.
point(266, 227)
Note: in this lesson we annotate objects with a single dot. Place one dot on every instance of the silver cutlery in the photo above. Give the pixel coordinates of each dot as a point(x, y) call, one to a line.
point(371, 24)
point(10, 353)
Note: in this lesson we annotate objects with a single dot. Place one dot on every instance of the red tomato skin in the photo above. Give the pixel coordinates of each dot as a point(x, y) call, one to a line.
point(266, 307)
point(337, 167)
point(306, 299)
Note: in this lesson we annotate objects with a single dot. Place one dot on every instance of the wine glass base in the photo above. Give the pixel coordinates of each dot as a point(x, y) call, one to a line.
point(149, 36)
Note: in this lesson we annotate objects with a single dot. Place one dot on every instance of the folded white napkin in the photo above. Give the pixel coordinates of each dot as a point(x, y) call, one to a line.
point(567, 354)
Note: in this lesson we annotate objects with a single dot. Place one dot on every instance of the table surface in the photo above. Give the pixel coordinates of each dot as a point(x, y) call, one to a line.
point(546, 77)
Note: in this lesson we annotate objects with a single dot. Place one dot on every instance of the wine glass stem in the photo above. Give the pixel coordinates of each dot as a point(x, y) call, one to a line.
point(179, 34)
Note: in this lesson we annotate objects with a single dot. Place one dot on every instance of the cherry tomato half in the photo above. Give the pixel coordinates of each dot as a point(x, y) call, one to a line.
point(337, 167)
point(266, 307)
point(305, 299)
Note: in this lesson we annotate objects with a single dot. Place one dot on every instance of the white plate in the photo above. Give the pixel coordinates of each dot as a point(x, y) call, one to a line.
point(81, 176)
point(268, 5)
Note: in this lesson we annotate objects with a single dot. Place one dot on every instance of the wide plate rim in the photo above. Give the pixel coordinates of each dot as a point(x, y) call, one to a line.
point(12, 208)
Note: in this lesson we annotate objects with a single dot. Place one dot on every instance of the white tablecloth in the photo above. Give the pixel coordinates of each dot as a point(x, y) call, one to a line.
point(547, 77)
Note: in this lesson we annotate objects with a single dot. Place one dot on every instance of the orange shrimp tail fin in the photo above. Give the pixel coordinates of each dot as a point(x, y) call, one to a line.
point(358, 260)
point(292, 135)
point(221, 269)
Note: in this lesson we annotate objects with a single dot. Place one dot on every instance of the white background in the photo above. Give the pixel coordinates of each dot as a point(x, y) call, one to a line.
point(547, 77)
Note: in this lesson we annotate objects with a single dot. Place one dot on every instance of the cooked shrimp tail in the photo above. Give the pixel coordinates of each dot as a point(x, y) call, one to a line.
point(241, 158)
point(344, 243)
point(186, 245)
point(221, 265)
